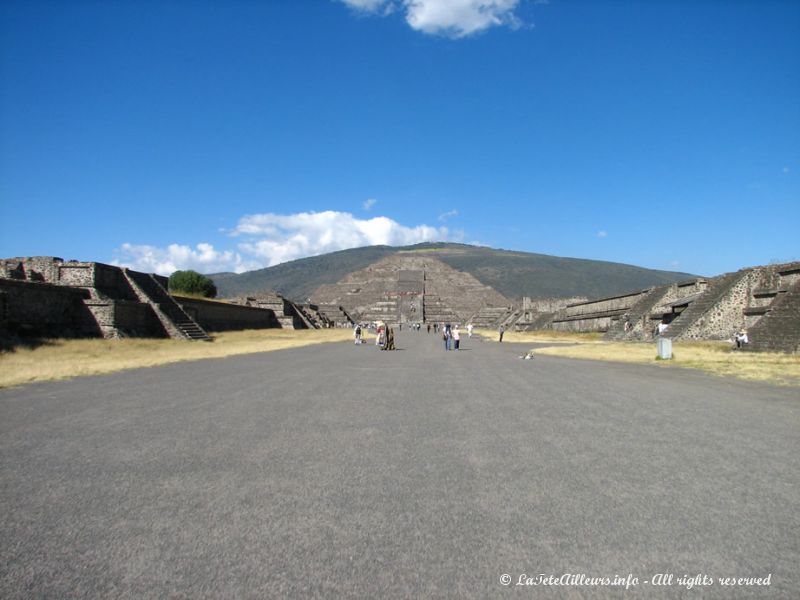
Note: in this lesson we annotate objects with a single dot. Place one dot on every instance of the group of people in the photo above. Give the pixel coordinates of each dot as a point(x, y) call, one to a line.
point(451, 336)
point(384, 339)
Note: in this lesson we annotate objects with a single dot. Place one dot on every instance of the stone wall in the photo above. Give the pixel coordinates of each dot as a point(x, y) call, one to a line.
point(549, 305)
point(699, 309)
point(214, 315)
point(287, 314)
point(595, 315)
point(32, 268)
point(44, 295)
point(46, 310)
point(124, 318)
point(724, 307)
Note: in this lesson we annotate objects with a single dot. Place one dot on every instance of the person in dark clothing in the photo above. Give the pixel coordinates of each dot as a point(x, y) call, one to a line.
point(390, 339)
point(501, 331)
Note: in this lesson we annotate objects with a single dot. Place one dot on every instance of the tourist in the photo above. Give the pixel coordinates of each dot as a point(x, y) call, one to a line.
point(741, 339)
point(501, 331)
point(389, 345)
point(456, 337)
point(469, 330)
point(357, 334)
point(429, 327)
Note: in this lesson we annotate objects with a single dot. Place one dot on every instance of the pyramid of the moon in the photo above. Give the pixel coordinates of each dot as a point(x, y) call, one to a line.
point(409, 288)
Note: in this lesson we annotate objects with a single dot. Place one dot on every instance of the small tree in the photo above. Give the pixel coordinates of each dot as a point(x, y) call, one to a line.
point(192, 282)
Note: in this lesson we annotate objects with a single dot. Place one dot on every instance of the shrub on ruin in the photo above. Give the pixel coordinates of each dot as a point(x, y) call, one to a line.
point(192, 282)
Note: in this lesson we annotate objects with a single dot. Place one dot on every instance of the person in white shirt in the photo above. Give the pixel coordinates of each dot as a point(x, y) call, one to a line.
point(741, 339)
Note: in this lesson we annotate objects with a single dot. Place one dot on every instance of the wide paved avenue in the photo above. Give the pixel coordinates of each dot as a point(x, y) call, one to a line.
point(341, 471)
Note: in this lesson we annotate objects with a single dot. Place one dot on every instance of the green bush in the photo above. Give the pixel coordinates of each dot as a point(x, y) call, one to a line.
point(192, 282)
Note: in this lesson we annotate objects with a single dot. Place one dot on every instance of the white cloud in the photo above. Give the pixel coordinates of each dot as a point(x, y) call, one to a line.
point(176, 257)
point(280, 238)
point(367, 5)
point(602, 234)
point(269, 239)
point(459, 18)
point(386, 7)
point(369, 203)
point(450, 213)
point(454, 18)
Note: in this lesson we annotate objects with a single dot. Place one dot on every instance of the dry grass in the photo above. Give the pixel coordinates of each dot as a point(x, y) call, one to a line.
point(712, 357)
point(63, 359)
point(539, 336)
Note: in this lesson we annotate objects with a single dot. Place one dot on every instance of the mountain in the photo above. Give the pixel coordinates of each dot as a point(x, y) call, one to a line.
point(513, 274)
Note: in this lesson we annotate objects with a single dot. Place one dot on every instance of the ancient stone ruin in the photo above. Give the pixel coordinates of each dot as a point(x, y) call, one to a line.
point(50, 297)
point(410, 287)
point(47, 296)
point(765, 300)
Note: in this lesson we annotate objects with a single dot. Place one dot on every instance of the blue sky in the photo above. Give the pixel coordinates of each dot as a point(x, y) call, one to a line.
point(235, 135)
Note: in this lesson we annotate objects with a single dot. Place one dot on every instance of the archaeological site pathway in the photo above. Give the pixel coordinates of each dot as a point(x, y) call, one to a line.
point(342, 471)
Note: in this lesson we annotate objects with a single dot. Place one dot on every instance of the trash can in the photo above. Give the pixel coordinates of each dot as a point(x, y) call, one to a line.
point(664, 346)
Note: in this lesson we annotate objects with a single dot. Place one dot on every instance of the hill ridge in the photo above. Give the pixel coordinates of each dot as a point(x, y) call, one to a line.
point(513, 273)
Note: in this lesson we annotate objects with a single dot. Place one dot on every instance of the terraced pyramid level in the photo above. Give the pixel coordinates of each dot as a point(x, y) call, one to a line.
point(409, 288)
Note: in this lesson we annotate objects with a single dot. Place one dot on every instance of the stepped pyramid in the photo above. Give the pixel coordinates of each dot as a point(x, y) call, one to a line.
point(409, 287)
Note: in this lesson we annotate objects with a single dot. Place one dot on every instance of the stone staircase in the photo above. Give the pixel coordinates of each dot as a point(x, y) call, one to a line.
point(314, 316)
point(335, 314)
point(637, 313)
point(306, 321)
point(716, 290)
point(288, 314)
point(382, 310)
point(435, 310)
point(539, 320)
point(489, 317)
point(174, 319)
point(779, 329)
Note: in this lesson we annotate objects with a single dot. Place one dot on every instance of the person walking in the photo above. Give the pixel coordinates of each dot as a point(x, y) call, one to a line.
point(456, 337)
point(501, 331)
point(661, 328)
point(469, 330)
